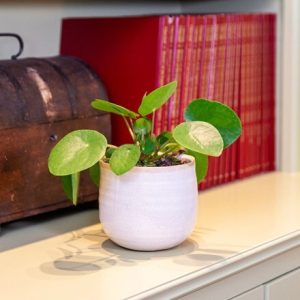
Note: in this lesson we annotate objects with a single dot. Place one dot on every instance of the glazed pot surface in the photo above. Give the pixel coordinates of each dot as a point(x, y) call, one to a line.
point(149, 208)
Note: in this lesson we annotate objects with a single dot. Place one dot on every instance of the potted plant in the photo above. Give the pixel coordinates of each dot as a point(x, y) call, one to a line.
point(148, 189)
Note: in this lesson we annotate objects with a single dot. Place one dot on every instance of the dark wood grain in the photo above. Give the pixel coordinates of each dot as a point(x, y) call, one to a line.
point(28, 131)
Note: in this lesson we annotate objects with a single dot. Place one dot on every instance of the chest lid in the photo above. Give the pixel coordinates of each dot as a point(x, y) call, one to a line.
point(46, 90)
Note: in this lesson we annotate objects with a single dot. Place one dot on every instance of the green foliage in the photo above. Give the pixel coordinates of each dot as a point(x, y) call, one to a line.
point(157, 98)
point(148, 145)
point(113, 108)
point(124, 158)
point(142, 126)
point(67, 186)
point(110, 151)
point(77, 151)
point(200, 137)
point(217, 114)
point(71, 186)
point(164, 137)
point(201, 165)
point(94, 172)
point(211, 126)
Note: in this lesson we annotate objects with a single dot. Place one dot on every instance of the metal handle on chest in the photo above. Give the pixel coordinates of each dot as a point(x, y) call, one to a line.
point(20, 41)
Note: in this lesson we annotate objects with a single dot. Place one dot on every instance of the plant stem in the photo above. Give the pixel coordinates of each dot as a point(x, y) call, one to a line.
point(131, 123)
point(111, 146)
point(167, 152)
point(154, 154)
point(129, 128)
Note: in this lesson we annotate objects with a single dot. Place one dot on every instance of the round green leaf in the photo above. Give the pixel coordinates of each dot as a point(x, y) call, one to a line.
point(113, 108)
point(124, 158)
point(219, 115)
point(149, 145)
point(200, 137)
point(201, 164)
point(157, 98)
point(142, 126)
point(77, 151)
point(94, 172)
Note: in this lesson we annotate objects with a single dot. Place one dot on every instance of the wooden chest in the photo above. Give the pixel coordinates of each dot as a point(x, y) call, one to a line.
point(40, 101)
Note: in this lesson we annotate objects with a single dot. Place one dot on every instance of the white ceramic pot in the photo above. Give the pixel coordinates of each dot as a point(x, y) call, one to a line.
point(149, 208)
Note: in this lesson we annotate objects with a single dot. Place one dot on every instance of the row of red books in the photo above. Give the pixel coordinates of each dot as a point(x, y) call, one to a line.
point(225, 57)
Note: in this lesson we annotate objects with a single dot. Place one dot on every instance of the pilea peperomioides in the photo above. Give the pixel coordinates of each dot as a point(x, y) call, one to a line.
point(209, 127)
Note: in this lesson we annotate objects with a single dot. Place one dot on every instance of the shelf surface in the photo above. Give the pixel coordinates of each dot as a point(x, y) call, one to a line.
point(236, 221)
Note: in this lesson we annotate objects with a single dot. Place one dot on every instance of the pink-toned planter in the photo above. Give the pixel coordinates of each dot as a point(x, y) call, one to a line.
point(149, 208)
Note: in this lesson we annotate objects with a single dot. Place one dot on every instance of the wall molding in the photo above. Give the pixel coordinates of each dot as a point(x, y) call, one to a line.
point(289, 152)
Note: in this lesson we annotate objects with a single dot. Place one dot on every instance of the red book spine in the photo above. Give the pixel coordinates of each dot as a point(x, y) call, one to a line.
point(163, 70)
point(265, 93)
point(202, 67)
point(206, 55)
point(250, 88)
point(249, 110)
point(254, 98)
point(174, 101)
point(228, 87)
point(197, 61)
point(236, 99)
point(173, 63)
point(212, 88)
point(168, 73)
point(197, 56)
point(220, 58)
point(125, 72)
point(186, 68)
point(272, 20)
point(254, 109)
point(258, 94)
point(212, 57)
point(201, 92)
point(208, 76)
point(268, 93)
point(203, 76)
point(192, 83)
point(244, 97)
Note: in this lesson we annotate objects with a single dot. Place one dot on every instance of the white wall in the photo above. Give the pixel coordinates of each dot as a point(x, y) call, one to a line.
point(39, 22)
point(207, 6)
point(290, 104)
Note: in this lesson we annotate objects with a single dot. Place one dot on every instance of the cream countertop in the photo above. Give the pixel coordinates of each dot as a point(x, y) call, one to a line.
point(236, 221)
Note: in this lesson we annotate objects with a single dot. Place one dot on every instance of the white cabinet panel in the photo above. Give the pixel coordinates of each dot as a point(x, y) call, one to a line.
point(255, 294)
point(284, 287)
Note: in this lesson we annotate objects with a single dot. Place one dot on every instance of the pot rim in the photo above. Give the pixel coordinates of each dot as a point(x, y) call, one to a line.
point(143, 168)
